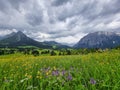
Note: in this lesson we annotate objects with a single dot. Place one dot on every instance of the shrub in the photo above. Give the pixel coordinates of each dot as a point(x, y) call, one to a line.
point(35, 52)
point(52, 53)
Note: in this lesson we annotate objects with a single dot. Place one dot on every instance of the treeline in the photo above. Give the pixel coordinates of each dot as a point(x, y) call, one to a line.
point(5, 51)
point(52, 52)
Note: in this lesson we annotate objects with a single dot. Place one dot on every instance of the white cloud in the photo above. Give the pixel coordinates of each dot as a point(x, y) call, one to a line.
point(6, 32)
point(114, 25)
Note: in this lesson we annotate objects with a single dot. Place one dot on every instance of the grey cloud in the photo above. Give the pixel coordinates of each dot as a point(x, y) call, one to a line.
point(7, 6)
point(112, 8)
point(65, 33)
point(34, 19)
point(33, 12)
point(81, 8)
point(89, 9)
point(5, 27)
point(35, 15)
point(4, 6)
point(59, 2)
point(17, 3)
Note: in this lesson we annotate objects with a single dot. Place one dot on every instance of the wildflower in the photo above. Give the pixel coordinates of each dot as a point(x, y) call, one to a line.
point(92, 81)
point(55, 73)
point(38, 72)
point(39, 77)
point(29, 76)
point(26, 75)
point(5, 78)
point(54, 68)
point(47, 73)
point(69, 77)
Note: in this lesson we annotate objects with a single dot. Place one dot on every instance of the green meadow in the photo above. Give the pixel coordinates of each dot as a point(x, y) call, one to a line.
point(94, 71)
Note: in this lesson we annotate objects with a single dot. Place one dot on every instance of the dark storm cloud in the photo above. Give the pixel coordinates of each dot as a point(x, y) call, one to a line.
point(62, 20)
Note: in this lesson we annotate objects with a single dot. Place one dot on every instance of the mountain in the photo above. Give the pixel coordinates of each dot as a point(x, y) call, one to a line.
point(99, 40)
point(1, 37)
point(56, 44)
point(20, 39)
point(51, 43)
point(6, 36)
point(9, 35)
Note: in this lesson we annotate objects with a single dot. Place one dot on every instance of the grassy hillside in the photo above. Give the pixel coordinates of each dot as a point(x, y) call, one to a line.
point(98, 71)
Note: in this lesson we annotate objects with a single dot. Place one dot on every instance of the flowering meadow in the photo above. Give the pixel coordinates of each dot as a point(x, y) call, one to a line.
point(98, 71)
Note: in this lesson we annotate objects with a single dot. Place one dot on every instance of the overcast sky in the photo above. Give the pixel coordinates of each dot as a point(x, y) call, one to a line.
point(65, 21)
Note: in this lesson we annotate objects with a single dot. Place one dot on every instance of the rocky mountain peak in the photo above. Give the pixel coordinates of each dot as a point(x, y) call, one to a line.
point(105, 33)
point(99, 40)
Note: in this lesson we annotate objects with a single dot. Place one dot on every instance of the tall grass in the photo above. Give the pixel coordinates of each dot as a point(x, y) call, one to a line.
point(98, 71)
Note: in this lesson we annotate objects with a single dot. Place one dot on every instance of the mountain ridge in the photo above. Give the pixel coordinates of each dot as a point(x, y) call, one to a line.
point(99, 39)
point(20, 39)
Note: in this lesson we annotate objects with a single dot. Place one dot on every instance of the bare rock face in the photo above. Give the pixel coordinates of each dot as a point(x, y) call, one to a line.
point(99, 40)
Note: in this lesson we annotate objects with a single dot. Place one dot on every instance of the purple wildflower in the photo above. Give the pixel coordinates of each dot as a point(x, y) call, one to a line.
point(69, 77)
point(55, 73)
point(92, 81)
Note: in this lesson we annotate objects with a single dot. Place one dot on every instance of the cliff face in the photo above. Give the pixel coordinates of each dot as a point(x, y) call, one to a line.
point(99, 40)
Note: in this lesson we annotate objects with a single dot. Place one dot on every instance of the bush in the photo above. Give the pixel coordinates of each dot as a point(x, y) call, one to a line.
point(35, 52)
point(52, 53)
point(68, 52)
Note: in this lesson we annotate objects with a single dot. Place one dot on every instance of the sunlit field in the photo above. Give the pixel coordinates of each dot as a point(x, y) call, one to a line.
point(98, 71)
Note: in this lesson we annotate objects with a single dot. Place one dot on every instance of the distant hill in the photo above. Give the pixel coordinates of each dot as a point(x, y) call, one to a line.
point(56, 44)
point(20, 39)
point(99, 40)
